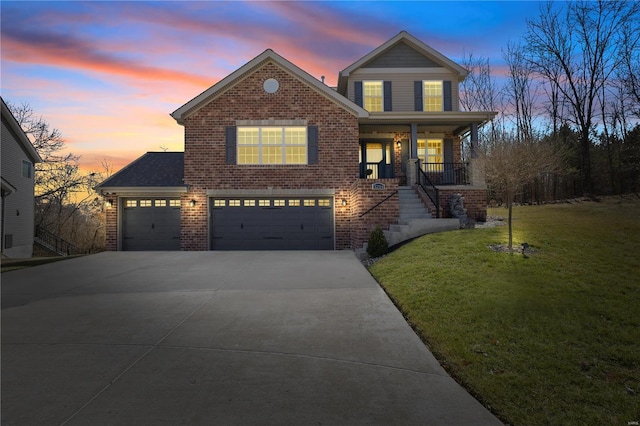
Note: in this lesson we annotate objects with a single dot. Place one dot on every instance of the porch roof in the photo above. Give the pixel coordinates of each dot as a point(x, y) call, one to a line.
point(456, 121)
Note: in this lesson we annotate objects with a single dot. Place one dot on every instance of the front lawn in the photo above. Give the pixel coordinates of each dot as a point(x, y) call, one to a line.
point(548, 339)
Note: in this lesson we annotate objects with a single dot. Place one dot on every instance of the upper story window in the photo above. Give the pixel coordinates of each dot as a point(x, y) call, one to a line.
point(272, 145)
point(27, 169)
point(432, 95)
point(372, 96)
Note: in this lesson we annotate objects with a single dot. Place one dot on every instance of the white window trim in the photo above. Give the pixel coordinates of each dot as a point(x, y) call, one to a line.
point(424, 96)
point(283, 145)
point(364, 96)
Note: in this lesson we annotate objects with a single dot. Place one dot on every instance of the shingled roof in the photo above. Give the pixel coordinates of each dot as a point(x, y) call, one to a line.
point(153, 169)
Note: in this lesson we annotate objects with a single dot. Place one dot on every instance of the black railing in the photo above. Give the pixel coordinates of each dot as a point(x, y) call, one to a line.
point(430, 189)
point(446, 173)
point(372, 208)
point(54, 242)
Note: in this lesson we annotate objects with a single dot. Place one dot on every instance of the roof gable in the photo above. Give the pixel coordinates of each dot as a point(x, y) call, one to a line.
point(153, 169)
point(406, 47)
point(22, 138)
point(241, 73)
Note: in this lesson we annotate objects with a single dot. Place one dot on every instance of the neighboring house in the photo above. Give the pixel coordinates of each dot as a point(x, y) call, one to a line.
point(18, 159)
point(276, 159)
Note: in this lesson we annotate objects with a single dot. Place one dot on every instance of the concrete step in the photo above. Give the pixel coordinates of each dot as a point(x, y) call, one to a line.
point(417, 227)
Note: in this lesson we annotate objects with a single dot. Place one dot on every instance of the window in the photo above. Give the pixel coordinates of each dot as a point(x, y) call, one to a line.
point(27, 169)
point(160, 203)
point(309, 203)
point(249, 203)
point(432, 95)
point(324, 203)
point(174, 203)
point(294, 203)
point(272, 145)
point(132, 203)
point(219, 203)
point(372, 95)
point(145, 203)
point(430, 151)
point(234, 203)
point(279, 203)
point(264, 203)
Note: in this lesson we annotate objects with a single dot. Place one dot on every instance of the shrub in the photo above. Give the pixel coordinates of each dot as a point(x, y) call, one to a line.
point(377, 245)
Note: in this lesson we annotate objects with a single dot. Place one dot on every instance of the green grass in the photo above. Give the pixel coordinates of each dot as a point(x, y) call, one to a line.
point(550, 339)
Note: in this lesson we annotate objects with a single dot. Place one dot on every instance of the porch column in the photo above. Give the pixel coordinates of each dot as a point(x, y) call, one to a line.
point(476, 172)
point(414, 141)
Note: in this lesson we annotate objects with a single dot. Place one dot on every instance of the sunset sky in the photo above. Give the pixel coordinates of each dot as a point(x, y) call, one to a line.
point(108, 74)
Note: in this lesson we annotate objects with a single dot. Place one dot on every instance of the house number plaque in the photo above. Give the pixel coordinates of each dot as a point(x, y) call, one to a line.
point(378, 186)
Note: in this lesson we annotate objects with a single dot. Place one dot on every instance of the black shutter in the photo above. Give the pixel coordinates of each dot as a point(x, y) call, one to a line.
point(417, 93)
point(231, 144)
point(449, 169)
point(357, 93)
point(386, 92)
point(446, 95)
point(312, 145)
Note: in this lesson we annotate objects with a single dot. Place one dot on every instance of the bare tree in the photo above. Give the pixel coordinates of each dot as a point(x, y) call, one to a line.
point(479, 91)
point(512, 162)
point(576, 51)
point(520, 90)
point(63, 193)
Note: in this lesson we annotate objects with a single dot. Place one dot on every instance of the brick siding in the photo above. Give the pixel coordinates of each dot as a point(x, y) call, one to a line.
point(206, 169)
point(364, 197)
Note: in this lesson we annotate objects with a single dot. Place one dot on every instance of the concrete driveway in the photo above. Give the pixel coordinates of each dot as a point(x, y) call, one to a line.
point(224, 338)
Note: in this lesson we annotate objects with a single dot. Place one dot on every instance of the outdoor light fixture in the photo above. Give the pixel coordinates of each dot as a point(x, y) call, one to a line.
point(108, 203)
point(344, 201)
point(192, 203)
point(524, 247)
point(398, 143)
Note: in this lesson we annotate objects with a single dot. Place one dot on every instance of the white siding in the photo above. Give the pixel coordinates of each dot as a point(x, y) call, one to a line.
point(402, 84)
point(20, 226)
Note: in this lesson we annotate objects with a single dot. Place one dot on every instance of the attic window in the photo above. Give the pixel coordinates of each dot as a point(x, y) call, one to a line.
point(271, 85)
point(27, 169)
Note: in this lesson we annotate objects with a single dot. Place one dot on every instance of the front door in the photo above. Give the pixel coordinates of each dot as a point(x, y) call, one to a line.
point(376, 159)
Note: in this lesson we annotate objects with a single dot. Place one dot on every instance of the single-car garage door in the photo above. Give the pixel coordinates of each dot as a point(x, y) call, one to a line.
point(304, 223)
point(151, 224)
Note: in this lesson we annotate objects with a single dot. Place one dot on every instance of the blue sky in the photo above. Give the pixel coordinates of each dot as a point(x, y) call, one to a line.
point(107, 74)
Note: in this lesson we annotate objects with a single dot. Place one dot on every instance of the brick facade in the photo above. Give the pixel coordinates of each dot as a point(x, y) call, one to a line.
point(365, 214)
point(475, 201)
point(205, 167)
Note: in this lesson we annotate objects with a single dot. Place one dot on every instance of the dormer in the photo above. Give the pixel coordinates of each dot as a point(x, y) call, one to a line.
point(403, 75)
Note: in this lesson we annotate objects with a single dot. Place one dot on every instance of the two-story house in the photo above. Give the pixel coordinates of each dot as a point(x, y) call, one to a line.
point(275, 159)
point(17, 193)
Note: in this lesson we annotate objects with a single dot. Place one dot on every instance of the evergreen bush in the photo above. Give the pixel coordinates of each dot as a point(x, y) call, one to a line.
point(377, 245)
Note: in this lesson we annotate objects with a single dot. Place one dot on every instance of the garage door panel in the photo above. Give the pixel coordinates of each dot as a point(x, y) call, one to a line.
point(272, 224)
point(151, 224)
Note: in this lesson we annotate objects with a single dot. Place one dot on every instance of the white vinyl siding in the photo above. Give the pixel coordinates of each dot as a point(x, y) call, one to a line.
point(403, 82)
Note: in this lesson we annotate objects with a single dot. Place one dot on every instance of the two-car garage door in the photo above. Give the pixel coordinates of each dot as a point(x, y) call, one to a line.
point(301, 223)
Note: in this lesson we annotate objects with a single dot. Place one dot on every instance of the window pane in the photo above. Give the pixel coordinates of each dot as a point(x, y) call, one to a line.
point(264, 203)
point(372, 93)
point(249, 203)
point(219, 203)
point(248, 136)
point(271, 155)
point(26, 169)
point(324, 203)
point(271, 136)
point(295, 135)
point(296, 155)
point(234, 203)
point(248, 155)
point(432, 92)
point(174, 203)
point(294, 203)
point(145, 203)
point(279, 203)
point(132, 203)
point(309, 203)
